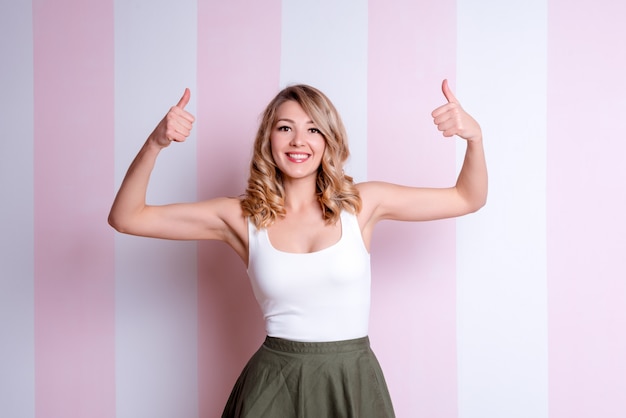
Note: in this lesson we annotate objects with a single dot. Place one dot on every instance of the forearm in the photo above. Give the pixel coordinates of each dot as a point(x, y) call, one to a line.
point(472, 182)
point(131, 197)
point(130, 201)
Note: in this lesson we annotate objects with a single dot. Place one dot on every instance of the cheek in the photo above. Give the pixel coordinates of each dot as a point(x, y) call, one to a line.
point(318, 143)
point(275, 159)
point(272, 148)
point(321, 147)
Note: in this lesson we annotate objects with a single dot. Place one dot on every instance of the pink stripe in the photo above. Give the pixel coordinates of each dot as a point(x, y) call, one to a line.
point(412, 48)
point(586, 207)
point(73, 131)
point(238, 73)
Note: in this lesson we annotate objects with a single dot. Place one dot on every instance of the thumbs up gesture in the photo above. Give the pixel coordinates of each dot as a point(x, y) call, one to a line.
point(452, 120)
point(176, 125)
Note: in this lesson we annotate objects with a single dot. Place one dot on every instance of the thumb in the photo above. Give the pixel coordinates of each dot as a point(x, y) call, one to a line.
point(184, 100)
point(448, 92)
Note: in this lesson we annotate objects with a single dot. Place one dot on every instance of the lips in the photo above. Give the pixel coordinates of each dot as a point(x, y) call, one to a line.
point(297, 157)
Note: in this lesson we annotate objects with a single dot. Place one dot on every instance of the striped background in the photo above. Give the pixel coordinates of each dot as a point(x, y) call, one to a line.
point(516, 311)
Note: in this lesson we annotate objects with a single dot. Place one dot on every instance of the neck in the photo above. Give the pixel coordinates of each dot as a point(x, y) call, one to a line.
point(300, 194)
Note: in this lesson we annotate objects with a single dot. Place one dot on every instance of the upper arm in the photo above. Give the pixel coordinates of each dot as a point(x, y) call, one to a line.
point(216, 219)
point(402, 203)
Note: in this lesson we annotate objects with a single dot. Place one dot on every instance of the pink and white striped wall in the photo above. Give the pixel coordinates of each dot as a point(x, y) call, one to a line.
point(517, 311)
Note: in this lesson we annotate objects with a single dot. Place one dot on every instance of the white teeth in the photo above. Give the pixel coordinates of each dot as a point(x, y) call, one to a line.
point(298, 156)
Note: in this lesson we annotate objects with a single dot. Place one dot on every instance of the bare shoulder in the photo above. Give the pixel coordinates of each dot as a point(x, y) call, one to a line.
point(371, 189)
point(373, 192)
point(379, 198)
point(230, 225)
point(229, 207)
point(228, 211)
point(234, 214)
point(370, 192)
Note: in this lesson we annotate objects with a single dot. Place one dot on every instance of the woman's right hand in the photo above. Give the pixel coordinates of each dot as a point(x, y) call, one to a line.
point(176, 125)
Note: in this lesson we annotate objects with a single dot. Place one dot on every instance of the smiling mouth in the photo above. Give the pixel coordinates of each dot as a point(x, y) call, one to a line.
point(297, 156)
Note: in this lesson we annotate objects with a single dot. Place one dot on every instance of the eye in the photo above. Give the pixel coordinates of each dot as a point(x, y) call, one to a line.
point(283, 128)
point(315, 131)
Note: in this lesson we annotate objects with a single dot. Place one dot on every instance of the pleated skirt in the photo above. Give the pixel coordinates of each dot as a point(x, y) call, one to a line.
point(289, 379)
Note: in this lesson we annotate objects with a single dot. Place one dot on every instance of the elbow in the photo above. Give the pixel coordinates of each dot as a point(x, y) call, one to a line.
point(478, 204)
point(116, 224)
point(113, 222)
point(125, 223)
point(473, 197)
point(472, 204)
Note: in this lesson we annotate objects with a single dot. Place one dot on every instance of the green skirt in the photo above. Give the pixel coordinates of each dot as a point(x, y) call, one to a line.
point(289, 379)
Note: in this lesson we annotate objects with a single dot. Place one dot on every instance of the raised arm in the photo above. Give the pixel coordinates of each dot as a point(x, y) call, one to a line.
point(395, 202)
point(213, 219)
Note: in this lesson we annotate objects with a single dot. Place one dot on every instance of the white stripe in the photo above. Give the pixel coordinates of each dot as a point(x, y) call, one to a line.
point(502, 297)
point(17, 390)
point(326, 46)
point(156, 301)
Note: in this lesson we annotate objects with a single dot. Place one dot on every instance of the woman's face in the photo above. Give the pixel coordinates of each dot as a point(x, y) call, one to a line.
point(297, 144)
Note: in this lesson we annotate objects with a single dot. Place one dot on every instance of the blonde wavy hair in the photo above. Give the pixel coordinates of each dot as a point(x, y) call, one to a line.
point(264, 198)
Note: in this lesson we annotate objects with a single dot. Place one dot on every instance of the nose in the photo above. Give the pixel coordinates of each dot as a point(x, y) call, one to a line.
point(296, 139)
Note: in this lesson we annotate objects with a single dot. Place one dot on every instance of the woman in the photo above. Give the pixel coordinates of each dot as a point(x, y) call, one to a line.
point(303, 229)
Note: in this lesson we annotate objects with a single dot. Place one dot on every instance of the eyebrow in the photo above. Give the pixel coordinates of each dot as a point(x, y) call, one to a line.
point(291, 121)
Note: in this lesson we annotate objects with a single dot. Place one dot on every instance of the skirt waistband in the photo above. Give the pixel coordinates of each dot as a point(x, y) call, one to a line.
point(299, 347)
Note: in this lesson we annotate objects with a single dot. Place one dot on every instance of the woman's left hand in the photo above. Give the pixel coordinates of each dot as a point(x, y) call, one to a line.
point(452, 120)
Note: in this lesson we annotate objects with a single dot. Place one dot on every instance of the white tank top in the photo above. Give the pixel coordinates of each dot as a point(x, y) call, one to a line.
point(319, 296)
